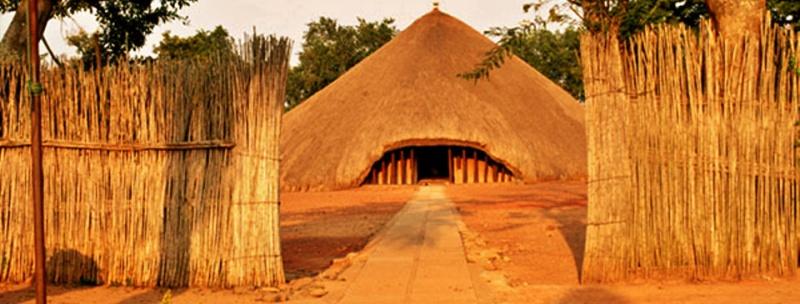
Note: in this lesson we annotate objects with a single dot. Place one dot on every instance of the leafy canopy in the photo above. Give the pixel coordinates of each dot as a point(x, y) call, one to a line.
point(553, 53)
point(556, 53)
point(329, 50)
point(786, 12)
point(124, 24)
point(202, 44)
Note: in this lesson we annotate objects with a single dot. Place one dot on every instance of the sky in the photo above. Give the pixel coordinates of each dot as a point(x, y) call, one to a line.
point(289, 17)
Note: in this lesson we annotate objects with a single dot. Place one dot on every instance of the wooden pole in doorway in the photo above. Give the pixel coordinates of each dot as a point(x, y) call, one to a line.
point(450, 164)
point(392, 169)
point(465, 172)
point(403, 165)
point(475, 178)
point(383, 171)
point(409, 168)
point(414, 168)
point(494, 172)
point(485, 168)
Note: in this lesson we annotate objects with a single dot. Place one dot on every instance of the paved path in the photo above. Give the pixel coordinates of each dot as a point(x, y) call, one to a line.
point(419, 258)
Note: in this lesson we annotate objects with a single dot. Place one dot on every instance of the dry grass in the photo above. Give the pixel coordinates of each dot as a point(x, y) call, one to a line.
point(158, 174)
point(691, 165)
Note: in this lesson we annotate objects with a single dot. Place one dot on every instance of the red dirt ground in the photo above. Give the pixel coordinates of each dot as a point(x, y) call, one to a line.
point(529, 225)
point(539, 231)
point(316, 228)
point(319, 227)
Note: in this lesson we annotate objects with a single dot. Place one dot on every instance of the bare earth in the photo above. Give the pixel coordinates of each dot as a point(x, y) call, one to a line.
point(538, 231)
point(316, 229)
point(319, 227)
point(533, 234)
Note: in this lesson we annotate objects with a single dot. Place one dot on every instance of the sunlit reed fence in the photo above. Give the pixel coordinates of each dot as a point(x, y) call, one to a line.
point(693, 173)
point(155, 174)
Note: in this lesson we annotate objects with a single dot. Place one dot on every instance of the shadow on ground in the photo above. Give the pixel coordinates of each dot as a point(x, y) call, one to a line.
point(521, 206)
point(64, 267)
point(312, 239)
point(151, 296)
point(592, 295)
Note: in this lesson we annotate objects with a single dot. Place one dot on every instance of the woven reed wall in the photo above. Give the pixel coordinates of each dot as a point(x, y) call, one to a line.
point(693, 173)
point(160, 174)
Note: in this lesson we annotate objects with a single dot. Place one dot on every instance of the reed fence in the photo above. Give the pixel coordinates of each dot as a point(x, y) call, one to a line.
point(692, 170)
point(158, 174)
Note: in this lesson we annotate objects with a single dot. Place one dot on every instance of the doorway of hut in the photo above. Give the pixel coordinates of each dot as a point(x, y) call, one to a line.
point(432, 165)
point(437, 164)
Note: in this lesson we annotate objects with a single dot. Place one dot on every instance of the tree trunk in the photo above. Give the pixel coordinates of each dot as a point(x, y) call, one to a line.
point(14, 43)
point(735, 18)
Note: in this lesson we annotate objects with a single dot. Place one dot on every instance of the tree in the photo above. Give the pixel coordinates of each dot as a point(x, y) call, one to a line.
point(534, 43)
point(556, 53)
point(202, 44)
point(553, 53)
point(735, 18)
point(13, 44)
point(124, 24)
point(329, 50)
point(88, 48)
point(639, 14)
point(785, 12)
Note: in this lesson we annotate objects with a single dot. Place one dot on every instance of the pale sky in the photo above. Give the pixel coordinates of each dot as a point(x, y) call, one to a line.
point(289, 17)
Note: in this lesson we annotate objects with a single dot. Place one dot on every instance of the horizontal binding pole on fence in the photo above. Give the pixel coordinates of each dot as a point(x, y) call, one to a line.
point(269, 256)
point(59, 144)
point(606, 223)
point(608, 178)
point(745, 168)
point(257, 203)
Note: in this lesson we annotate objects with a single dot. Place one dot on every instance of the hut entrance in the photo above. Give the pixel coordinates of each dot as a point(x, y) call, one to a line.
point(454, 164)
point(432, 163)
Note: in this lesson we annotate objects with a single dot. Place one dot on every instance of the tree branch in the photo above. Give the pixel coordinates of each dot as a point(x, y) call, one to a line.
point(50, 51)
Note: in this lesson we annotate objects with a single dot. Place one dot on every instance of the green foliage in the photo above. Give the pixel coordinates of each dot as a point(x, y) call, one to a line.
point(556, 53)
point(202, 44)
point(641, 13)
point(8, 5)
point(495, 57)
point(329, 50)
point(85, 43)
point(124, 24)
point(553, 53)
point(785, 11)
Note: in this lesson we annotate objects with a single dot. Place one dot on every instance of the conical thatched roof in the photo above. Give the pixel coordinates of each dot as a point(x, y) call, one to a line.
point(408, 93)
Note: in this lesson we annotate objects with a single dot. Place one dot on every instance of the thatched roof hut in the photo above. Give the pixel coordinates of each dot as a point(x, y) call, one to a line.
point(517, 125)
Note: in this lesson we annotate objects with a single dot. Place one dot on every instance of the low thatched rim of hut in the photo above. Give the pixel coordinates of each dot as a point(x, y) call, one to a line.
point(437, 142)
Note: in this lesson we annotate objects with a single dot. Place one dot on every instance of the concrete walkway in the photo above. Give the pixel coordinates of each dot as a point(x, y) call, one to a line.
point(419, 259)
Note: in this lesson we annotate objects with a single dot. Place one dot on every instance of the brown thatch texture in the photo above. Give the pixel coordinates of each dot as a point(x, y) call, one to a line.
point(160, 174)
point(408, 93)
point(692, 169)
